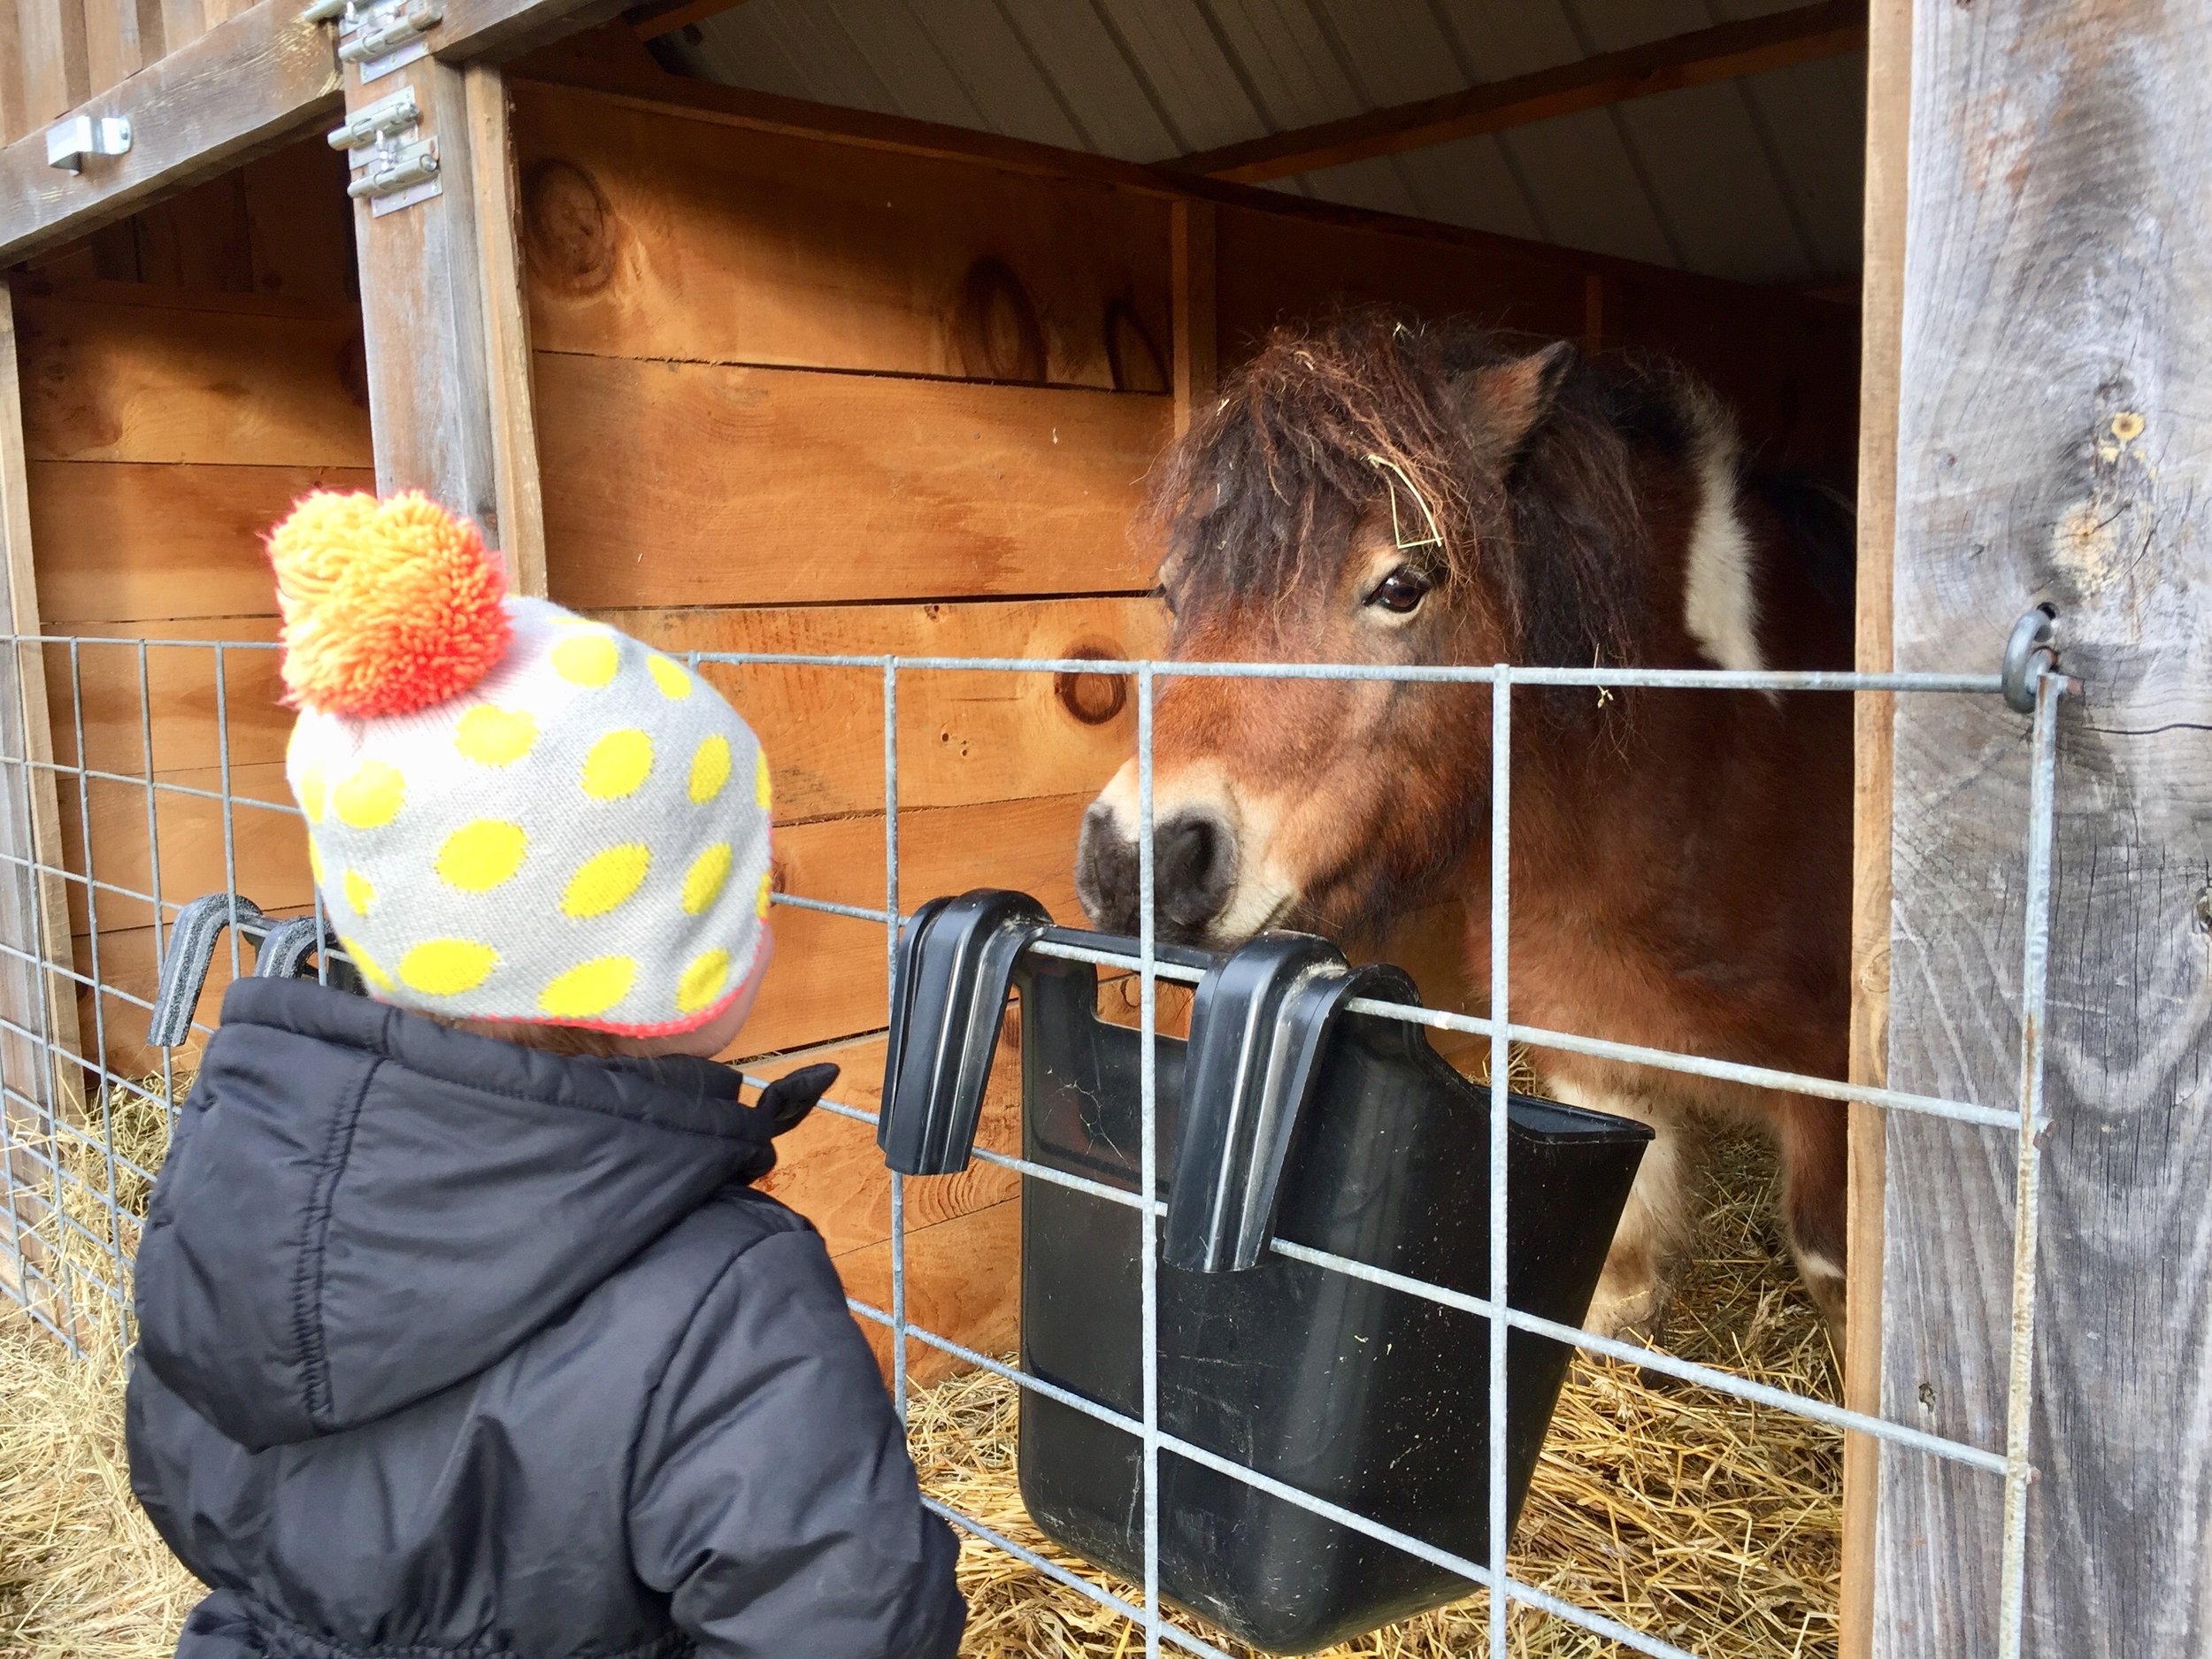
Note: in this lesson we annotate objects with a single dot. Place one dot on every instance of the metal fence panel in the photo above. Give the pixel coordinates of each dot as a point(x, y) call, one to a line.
point(66, 1166)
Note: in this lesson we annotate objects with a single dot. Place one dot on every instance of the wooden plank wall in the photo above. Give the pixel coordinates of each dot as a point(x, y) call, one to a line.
point(55, 54)
point(794, 396)
point(187, 374)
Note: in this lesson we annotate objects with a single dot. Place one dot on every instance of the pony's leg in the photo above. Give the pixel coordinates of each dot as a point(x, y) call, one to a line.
point(1655, 1225)
point(1816, 1174)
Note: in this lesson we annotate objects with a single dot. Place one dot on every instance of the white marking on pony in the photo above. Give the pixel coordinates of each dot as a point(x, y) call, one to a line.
point(1718, 605)
point(1655, 1225)
point(1814, 1264)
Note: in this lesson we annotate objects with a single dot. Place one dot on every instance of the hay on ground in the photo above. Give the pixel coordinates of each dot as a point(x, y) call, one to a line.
point(83, 1575)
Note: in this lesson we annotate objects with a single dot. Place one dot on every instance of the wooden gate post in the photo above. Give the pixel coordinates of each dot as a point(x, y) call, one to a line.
point(443, 318)
point(2054, 443)
point(1888, 121)
point(39, 1082)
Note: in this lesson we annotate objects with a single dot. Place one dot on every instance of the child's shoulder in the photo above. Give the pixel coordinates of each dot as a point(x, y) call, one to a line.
point(732, 1226)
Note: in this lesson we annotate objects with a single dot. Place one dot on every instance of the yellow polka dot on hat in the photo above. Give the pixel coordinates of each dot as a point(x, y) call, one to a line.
point(515, 813)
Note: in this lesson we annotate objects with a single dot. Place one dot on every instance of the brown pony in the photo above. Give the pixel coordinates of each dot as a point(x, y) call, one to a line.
point(1380, 490)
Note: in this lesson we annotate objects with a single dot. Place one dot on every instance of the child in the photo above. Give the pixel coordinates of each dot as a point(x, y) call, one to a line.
point(462, 1333)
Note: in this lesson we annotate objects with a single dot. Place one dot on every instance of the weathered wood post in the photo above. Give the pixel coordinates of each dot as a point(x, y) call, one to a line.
point(2054, 443)
point(442, 316)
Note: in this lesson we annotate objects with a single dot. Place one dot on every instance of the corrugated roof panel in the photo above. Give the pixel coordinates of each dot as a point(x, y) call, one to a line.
point(1289, 67)
point(1586, 189)
point(1471, 183)
point(771, 51)
point(995, 75)
point(1500, 41)
point(802, 51)
point(1608, 26)
point(1086, 64)
point(1708, 166)
point(1380, 184)
point(905, 57)
point(1758, 179)
point(1189, 76)
point(1398, 52)
point(1732, 11)
point(1817, 113)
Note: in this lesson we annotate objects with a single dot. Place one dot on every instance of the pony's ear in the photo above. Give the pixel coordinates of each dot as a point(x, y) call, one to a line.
point(1507, 402)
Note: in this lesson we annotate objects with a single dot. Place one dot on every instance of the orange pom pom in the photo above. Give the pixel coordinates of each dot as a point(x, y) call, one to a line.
point(389, 606)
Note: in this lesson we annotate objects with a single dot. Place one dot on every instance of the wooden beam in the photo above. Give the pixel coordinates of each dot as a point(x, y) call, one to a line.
point(422, 313)
point(1888, 116)
point(514, 429)
point(245, 85)
point(443, 318)
point(650, 23)
point(1720, 53)
point(2055, 444)
point(34, 902)
point(495, 31)
point(1190, 289)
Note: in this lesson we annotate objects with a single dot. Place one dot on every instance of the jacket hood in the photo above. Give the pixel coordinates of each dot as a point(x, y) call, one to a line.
point(363, 1207)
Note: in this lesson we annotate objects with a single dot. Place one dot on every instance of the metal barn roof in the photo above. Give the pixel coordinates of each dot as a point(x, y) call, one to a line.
point(1757, 178)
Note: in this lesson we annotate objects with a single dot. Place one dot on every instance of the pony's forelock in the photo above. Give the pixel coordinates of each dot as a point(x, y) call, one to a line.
point(1372, 411)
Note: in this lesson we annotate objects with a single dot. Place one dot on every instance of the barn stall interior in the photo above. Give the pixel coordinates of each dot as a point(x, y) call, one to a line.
point(782, 332)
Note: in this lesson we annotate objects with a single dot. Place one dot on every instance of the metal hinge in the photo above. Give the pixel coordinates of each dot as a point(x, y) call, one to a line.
point(68, 144)
point(394, 114)
point(378, 35)
point(390, 171)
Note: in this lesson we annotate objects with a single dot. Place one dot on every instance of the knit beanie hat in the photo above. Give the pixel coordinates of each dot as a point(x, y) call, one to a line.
point(513, 813)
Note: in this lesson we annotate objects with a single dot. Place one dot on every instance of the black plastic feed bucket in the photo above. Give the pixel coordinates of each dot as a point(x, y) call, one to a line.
point(1283, 1116)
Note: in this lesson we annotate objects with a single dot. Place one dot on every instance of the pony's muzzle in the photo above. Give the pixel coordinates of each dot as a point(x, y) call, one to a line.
point(1194, 870)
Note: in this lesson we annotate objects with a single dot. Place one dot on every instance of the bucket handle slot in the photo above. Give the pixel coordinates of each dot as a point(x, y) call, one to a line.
point(281, 950)
point(1259, 1040)
point(1260, 1033)
point(955, 966)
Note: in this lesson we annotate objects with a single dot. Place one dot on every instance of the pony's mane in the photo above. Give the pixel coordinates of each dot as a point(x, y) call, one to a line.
point(1328, 418)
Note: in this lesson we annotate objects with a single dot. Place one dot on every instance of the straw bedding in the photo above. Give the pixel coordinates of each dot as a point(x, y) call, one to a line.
point(83, 1575)
point(1703, 1520)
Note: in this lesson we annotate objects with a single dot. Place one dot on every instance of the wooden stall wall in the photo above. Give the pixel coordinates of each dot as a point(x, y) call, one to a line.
point(187, 374)
point(55, 54)
point(795, 396)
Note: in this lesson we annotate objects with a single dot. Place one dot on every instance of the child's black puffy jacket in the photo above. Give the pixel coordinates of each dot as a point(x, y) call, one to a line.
point(451, 1348)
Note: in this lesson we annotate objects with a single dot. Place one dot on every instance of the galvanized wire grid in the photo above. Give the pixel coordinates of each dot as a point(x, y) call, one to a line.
point(50, 1133)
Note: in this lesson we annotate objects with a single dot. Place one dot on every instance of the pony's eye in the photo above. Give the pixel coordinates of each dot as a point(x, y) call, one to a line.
point(1400, 591)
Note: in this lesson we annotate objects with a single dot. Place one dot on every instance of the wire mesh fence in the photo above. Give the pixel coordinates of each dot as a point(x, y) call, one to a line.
point(141, 774)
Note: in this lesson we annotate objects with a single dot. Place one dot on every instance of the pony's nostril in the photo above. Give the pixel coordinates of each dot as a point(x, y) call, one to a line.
point(1197, 860)
point(1106, 872)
